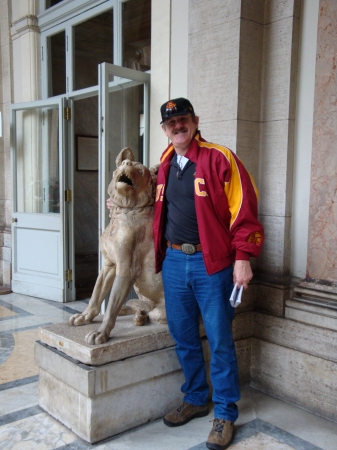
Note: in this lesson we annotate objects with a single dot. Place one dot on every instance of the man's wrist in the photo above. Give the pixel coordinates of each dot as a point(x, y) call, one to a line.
point(241, 256)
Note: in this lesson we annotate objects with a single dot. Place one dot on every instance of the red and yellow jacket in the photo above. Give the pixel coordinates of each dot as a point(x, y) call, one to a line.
point(226, 206)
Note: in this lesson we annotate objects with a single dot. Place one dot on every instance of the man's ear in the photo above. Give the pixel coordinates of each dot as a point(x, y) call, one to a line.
point(196, 120)
point(163, 127)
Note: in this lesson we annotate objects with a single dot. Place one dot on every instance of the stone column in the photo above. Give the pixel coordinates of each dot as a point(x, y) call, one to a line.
point(322, 260)
point(6, 90)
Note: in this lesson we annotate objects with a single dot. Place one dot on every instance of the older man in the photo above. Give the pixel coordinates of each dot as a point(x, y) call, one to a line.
point(205, 221)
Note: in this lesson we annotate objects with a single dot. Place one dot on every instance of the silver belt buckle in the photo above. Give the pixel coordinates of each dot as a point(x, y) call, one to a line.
point(188, 249)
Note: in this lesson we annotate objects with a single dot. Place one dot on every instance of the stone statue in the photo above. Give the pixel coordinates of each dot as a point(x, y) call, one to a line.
point(127, 247)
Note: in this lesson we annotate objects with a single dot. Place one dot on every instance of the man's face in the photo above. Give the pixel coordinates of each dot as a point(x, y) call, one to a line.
point(181, 130)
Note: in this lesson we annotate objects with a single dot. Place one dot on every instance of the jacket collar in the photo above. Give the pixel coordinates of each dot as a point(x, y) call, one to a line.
point(192, 152)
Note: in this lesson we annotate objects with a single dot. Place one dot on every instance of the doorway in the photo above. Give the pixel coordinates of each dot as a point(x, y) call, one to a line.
point(85, 195)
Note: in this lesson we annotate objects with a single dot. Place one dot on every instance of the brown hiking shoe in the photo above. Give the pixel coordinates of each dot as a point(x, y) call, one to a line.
point(184, 413)
point(221, 435)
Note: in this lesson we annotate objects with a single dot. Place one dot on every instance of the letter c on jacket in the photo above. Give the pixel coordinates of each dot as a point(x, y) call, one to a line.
point(197, 182)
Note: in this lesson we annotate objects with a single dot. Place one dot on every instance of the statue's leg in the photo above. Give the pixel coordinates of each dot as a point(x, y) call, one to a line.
point(103, 285)
point(120, 289)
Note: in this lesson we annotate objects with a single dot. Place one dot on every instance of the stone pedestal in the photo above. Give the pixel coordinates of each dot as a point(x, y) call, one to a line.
point(99, 391)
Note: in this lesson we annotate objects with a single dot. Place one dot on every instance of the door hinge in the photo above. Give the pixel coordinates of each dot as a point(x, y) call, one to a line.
point(67, 113)
point(69, 275)
point(67, 195)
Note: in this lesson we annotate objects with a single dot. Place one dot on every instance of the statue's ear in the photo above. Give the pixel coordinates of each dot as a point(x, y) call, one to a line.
point(154, 173)
point(126, 153)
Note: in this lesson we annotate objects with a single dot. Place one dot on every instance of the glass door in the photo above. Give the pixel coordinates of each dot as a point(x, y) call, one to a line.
point(40, 265)
point(124, 100)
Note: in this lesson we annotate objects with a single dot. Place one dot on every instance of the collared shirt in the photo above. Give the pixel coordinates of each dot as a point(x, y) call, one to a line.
point(181, 219)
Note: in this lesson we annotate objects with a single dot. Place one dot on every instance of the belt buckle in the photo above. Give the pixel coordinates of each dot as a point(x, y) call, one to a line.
point(188, 249)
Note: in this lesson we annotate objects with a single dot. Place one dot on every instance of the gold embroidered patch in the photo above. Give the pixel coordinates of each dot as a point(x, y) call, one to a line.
point(255, 238)
point(170, 105)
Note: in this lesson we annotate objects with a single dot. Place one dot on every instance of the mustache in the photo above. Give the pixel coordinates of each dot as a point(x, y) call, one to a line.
point(181, 130)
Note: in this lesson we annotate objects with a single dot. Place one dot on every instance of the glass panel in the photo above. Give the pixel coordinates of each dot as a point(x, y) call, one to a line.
point(37, 160)
point(50, 3)
point(93, 45)
point(137, 34)
point(126, 119)
point(57, 64)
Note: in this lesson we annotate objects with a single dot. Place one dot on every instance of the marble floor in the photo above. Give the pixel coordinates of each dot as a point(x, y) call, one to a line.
point(265, 423)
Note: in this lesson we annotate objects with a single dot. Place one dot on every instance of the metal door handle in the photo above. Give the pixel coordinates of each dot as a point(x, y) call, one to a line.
point(14, 219)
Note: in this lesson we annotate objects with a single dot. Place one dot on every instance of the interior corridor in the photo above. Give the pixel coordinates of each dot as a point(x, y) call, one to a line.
point(264, 422)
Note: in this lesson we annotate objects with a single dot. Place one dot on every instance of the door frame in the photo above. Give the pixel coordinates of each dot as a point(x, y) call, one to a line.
point(57, 289)
point(127, 78)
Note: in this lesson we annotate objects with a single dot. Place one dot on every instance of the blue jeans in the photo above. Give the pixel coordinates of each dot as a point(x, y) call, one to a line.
point(189, 291)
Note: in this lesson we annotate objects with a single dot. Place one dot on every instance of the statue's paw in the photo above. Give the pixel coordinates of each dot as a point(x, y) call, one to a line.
point(140, 317)
point(96, 337)
point(82, 318)
point(75, 319)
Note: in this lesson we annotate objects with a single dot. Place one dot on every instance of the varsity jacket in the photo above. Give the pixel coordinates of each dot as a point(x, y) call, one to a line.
point(226, 201)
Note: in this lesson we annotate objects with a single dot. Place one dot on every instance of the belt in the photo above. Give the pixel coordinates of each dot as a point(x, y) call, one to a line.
point(188, 249)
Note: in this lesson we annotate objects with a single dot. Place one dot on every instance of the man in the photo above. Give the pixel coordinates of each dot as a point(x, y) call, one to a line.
point(205, 219)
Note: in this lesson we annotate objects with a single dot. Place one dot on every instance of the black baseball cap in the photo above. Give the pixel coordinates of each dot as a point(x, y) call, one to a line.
point(176, 107)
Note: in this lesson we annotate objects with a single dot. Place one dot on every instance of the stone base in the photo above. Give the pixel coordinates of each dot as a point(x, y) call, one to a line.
point(97, 402)
point(5, 290)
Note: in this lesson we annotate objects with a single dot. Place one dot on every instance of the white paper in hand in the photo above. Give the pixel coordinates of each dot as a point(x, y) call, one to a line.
point(235, 298)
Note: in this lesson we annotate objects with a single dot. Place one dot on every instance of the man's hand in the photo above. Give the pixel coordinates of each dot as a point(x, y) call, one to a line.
point(242, 273)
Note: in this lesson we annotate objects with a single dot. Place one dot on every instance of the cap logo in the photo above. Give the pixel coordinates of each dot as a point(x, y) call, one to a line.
point(170, 106)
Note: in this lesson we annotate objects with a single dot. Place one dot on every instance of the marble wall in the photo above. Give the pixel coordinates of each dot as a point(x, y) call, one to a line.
point(322, 262)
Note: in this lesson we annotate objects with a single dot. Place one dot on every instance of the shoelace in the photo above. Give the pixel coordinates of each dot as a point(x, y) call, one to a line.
point(218, 425)
point(181, 407)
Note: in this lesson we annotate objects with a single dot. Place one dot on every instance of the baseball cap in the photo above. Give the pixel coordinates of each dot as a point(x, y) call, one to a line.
point(176, 107)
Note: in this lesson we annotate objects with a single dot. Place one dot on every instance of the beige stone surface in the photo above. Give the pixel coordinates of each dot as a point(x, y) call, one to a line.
point(203, 17)
point(126, 340)
point(99, 402)
point(213, 86)
point(20, 364)
point(295, 335)
point(276, 165)
point(276, 10)
point(243, 352)
point(220, 132)
point(250, 75)
point(275, 254)
point(248, 147)
point(272, 299)
point(277, 54)
point(253, 11)
point(4, 312)
point(297, 377)
point(242, 326)
point(296, 311)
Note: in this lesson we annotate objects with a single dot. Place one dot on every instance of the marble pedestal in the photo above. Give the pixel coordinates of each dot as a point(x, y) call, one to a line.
point(100, 391)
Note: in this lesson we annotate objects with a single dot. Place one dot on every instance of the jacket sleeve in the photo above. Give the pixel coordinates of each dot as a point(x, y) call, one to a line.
point(247, 232)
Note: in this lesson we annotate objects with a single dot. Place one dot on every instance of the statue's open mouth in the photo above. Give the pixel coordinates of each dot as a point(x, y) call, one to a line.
point(124, 179)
